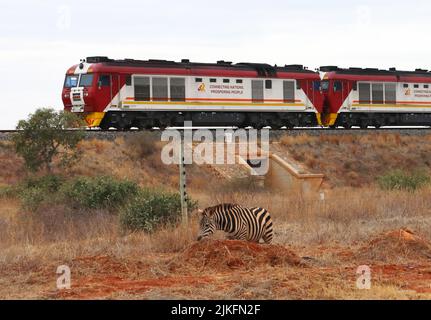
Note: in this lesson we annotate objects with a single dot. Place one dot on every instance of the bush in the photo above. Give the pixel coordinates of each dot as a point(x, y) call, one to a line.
point(151, 209)
point(35, 191)
point(48, 183)
point(82, 192)
point(98, 193)
point(399, 180)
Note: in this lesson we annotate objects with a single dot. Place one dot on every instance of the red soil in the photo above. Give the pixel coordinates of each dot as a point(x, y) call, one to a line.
point(396, 246)
point(222, 255)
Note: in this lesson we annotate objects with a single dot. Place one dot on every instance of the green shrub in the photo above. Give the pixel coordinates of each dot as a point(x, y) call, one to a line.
point(400, 180)
point(33, 198)
point(49, 183)
point(98, 193)
point(36, 191)
point(151, 209)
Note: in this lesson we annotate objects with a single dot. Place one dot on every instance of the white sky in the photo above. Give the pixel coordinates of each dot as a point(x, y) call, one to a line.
point(40, 40)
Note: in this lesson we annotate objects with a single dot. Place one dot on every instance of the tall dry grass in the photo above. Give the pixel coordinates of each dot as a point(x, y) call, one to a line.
point(346, 216)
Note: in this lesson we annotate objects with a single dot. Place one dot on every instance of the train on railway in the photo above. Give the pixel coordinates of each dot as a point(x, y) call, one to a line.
point(125, 94)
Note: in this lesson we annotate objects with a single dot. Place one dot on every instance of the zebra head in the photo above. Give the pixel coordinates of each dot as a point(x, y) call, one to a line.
point(207, 225)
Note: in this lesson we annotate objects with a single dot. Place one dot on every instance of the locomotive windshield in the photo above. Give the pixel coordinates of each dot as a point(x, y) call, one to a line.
point(71, 81)
point(325, 85)
point(86, 80)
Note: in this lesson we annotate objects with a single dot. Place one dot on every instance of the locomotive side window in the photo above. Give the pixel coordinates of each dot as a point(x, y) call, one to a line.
point(104, 80)
point(238, 80)
point(426, 86)
point(337, 86)
point(213, 80)
point(226, 80)
point(198, 80)
point(178, 89)
point(377, 93)
point(86, 80)
point(128, 80)
point(257, 91)
point(160, 89)
point(390, 93)
point(364, 93)
point(71, 81)
point(268, 84)
point(405, 85)
point(289, 91)
point(142, 89)
point(316, 85)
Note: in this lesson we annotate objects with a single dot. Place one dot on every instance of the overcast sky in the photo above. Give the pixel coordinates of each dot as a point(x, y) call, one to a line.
point(41, 39)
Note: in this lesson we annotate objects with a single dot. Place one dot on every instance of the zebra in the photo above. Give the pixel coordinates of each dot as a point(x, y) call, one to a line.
point(251, 224)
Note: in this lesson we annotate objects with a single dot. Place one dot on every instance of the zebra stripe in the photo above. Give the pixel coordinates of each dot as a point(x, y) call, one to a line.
point(251, 224)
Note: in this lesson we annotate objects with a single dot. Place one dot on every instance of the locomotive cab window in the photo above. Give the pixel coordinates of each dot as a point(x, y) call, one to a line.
point(142, 88)
point(104, 80)
point(324, 85)
point(86, 80)
point(128, 80)
point(71, 81)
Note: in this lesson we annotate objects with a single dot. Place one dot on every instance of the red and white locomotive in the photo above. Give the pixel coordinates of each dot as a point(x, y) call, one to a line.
point(157, 93)
point(373, 97)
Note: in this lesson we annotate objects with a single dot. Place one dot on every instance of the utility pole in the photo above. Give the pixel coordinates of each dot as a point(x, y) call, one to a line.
point(183, 180)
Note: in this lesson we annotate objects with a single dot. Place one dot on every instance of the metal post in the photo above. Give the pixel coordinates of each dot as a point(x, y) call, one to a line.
point(183, 190)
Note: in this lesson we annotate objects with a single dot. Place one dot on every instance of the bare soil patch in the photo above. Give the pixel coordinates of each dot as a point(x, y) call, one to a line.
point(223, 255)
